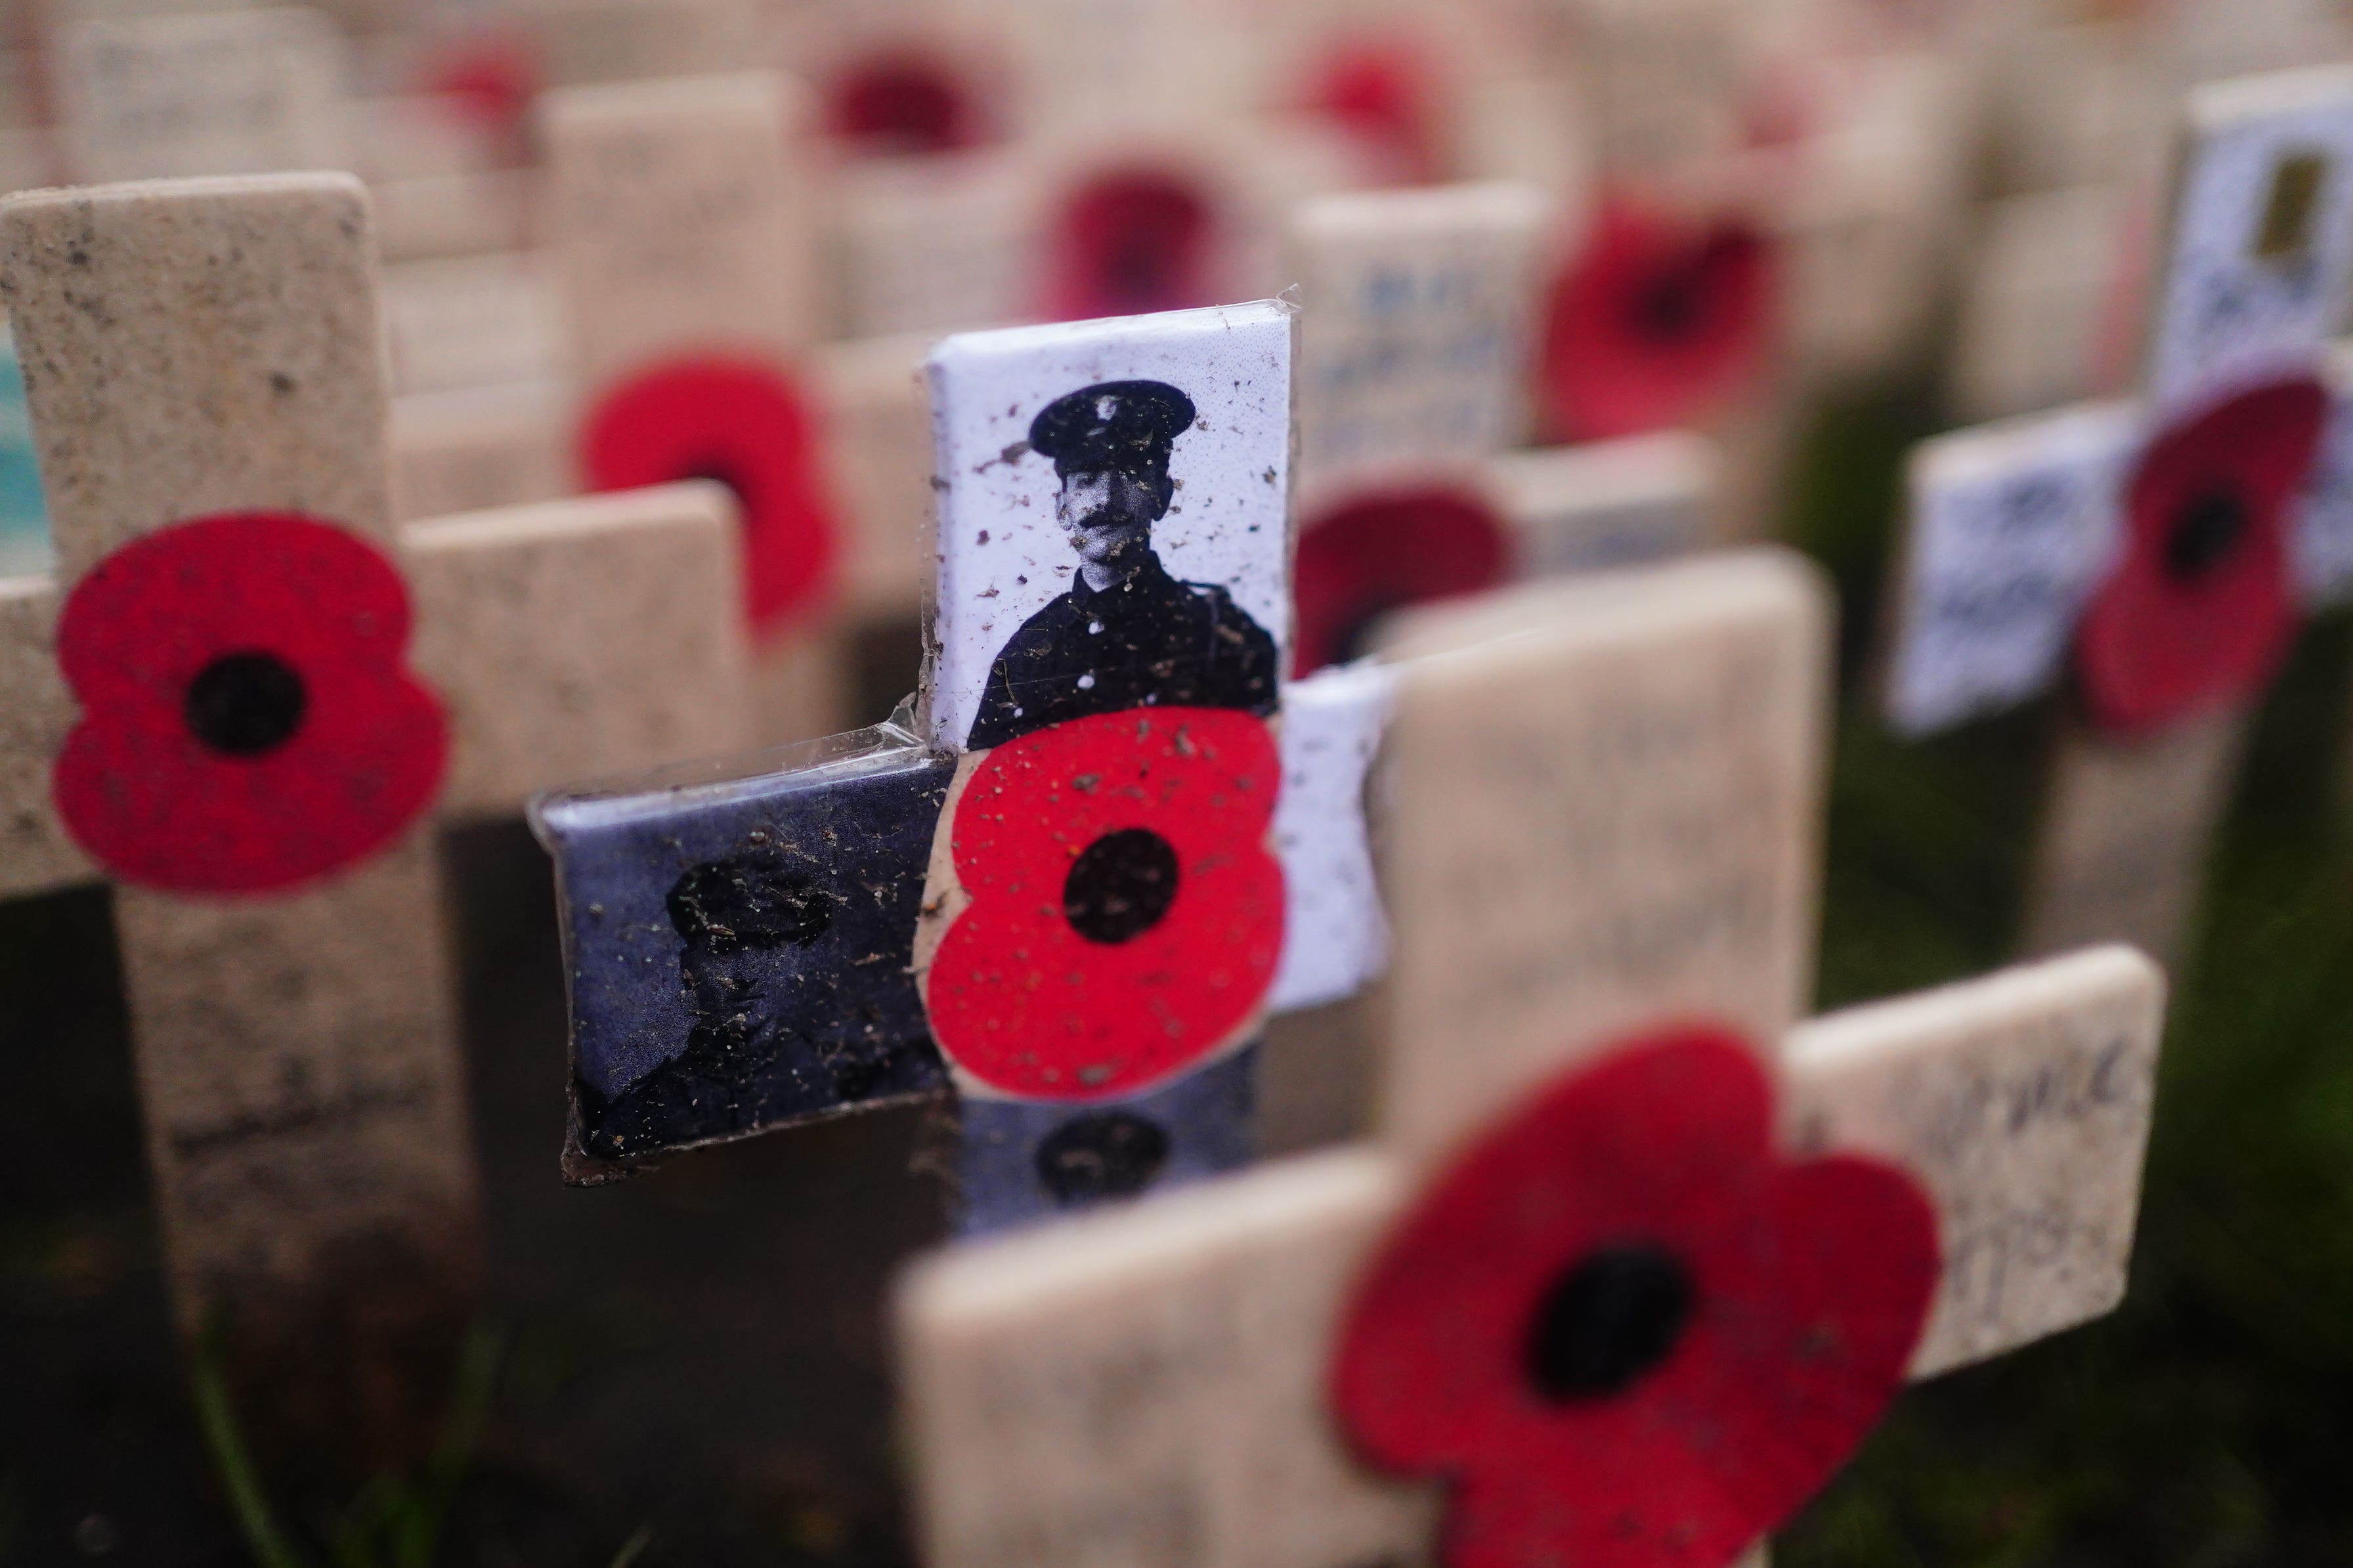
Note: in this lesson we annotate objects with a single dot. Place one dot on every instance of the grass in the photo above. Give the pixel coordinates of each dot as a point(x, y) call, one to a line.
point(395, 1522)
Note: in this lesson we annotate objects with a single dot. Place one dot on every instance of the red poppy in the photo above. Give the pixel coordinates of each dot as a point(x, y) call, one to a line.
point(741, 422)
point(1376, 552)
point(1624, 1332)
point(901, 102)
point(2200, 606)
point(1125, 913)
point(1654, 323)
point(247, 723)
point(492, 78)
point(1380, 91)
point(1129, 242)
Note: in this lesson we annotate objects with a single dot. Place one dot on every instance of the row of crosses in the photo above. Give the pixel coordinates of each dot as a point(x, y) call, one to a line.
point(2160, 551)
point(280, 910)
point(1055, 887)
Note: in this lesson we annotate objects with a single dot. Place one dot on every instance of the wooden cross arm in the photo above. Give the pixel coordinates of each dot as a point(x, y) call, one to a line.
point(2022, 1102)
point(36, 855)
point(480, 447)
point(1606, 503)
point(1147, 1384)
point(580, 637)
point(568, 639)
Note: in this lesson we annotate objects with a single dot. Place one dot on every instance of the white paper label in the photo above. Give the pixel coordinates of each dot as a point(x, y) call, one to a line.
point(2011, 528)
point(1334, 939)
point(2262, 236)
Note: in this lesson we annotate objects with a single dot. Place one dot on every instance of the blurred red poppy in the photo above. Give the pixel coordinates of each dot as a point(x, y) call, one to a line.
point(741, 422)
point(1125, 913)
point(1377, 552)
point(1131, 241)
point(491, 77)
point(1654, 323)
point(1380, 93)
point(2199, 607)
point(247, 722)
point(1626, 1334)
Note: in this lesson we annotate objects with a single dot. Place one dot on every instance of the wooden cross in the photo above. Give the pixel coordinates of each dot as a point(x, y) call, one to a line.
point(683, 216)
point(1546, 1312)
point(2157, 547)
point(1414, 342)
point(216, 705)
point(789, 941)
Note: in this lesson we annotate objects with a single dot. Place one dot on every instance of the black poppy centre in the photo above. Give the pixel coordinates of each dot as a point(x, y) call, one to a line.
point(246, 704)
point(1612, 1316)
point(1121, 886)
point(1103, 1154)
point(2204, 531)
point(1667, 306)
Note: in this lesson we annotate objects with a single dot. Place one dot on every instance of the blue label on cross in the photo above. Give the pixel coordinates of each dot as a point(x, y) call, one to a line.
point(24, 520)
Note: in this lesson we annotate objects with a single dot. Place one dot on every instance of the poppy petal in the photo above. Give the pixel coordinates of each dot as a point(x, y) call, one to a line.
point(2200, 608)
point(1129, 242)
point(1625, 1331)
point(743, 423)
point(248, 725)
point(1654, 323)
point(1377, 552)
point(1125, 913)
point(901, 101)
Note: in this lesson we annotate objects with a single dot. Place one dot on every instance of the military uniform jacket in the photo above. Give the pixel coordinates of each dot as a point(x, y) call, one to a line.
point(1149, 641)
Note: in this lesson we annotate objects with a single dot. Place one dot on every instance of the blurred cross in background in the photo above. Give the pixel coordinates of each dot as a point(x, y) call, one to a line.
point(2162, 551)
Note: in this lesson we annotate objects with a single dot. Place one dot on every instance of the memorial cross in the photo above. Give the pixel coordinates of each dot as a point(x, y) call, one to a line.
point(1629, 1264)
point(683, 216)
point(1054, 889)
point(1415, 341)
point(211, 706)
point(2163, 551)
point(935, 242)
point(1415, 344)
point(932, 203)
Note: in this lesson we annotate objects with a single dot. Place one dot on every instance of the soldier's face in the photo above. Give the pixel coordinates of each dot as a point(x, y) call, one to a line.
point(1107, 516)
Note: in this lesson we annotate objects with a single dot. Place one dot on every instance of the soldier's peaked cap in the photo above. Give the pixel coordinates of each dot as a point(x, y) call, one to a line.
point(1115, 427)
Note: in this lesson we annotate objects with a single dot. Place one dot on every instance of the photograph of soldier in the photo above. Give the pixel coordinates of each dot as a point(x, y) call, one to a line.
point(786, 1025)
point(1127, 634)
